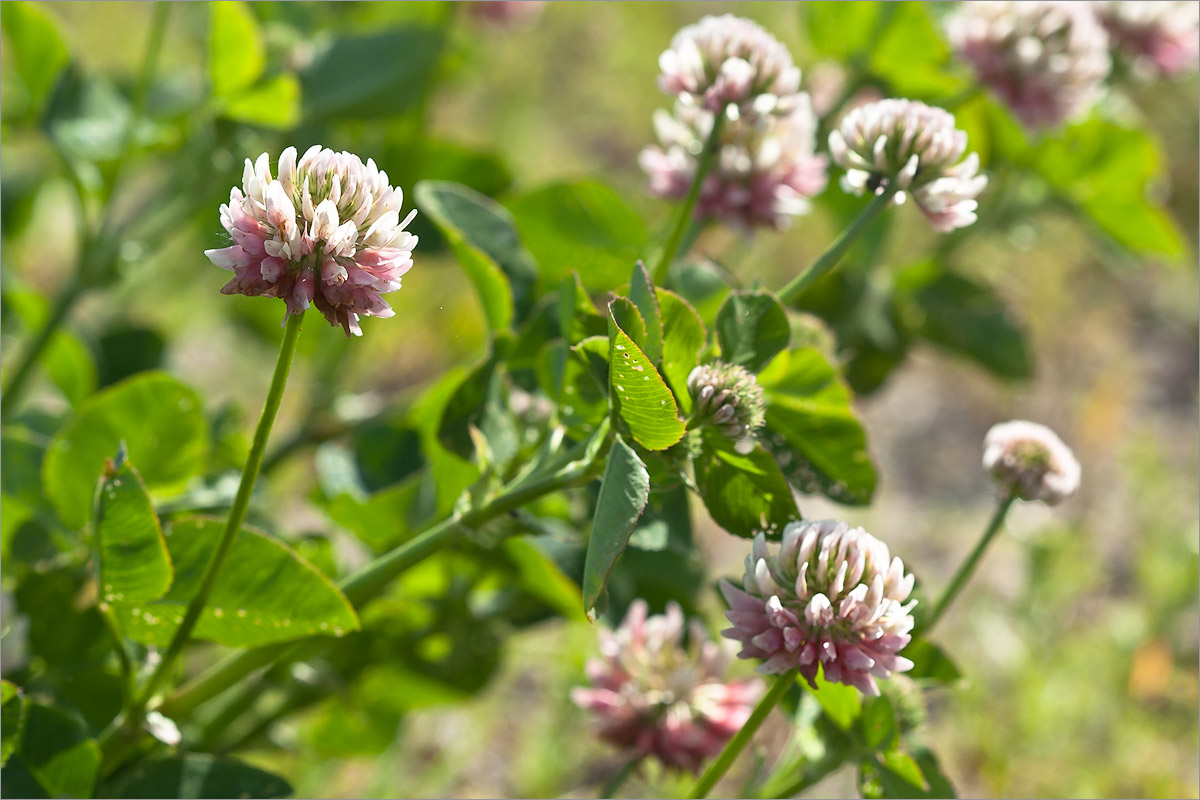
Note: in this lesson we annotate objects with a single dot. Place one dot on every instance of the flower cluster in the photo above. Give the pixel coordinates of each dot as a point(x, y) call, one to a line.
point(1045, 60)
point(1031, 460)
point(832, 597)
point(727, 397)
point(326, 231)
point(727, 59)
point(765, 168)
point(1163, 36)
point(651, 696)
point(918, 149)
point(729, 71)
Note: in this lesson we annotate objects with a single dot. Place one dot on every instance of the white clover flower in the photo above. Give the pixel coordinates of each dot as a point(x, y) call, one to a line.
point(764, 173)
point(325, 231)
point(727, 59)
point(916, 147)
point(1031, 460)
point(832, 598)
point(1046, 60)
point(1163, 35)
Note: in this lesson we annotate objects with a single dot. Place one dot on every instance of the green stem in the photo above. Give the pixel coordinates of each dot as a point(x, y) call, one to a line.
point(717, 769)
point(797, 286)
point(968, 566)
point(618, 779)
point(237, 514)
point(24, 371)
point(684, 218)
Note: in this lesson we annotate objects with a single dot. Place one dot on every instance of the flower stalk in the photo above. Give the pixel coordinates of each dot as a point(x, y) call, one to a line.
point(721, 764)
point(829, 259)
point(684, 219)
point(967, 568)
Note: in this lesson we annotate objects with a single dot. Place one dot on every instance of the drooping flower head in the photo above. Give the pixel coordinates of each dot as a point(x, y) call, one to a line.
point(1045, 60)
point(763, 174)
point(1031, 460)
point(325, 231)
point(918, 148)
point(727, 397)
point(651, 696)
point(1163, 35)
point(832, 597)
point(728, 59)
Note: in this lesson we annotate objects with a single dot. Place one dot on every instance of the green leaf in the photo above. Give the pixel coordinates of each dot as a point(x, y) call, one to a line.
point(839, 30)
point(274, 103)
point(1106, 170)
point(484, 239)
point(745, 493)
point(624, 490)
point(641, 292)
point(36, 47)
point(134, 565)
point(639, 394)
point(931, 771)
point(930, 663)
point(126, 349)
point(161, 422)
point(752, 328)
point(629, 320)
point(812, 428)
point(370, 76)
point(21, 455)
point(878, 723)
point(197, 775)
point(593, 353)
point(66, 358)
point(841, 703)
point(382, 520)
point(542, 578)
point(468, 405)
point(583, 226)
point(577, 315)
point(56, 752)
point(583, 402)
point(484, 172)
point(684, 335)
point(236, 48)
point(13, 711)
point(894, 774)
point(964, 317)
point(912, 55)
point(265, 593)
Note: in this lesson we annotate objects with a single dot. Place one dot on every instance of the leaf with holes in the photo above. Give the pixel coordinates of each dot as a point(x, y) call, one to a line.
point(265, 593)
point(642, 294)
point(639, 394)
point(131, 552)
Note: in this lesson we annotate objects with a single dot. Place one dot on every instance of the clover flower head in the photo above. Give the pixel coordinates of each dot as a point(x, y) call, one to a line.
point(651, 696)
point(1031, 460)
point(764, 173)
point(832, 598)
point(727, 397)
point(728, 59)
point(325, 231)
point(506, 13)
point(1161, 36)
point(1046, 60)
point(916, 147)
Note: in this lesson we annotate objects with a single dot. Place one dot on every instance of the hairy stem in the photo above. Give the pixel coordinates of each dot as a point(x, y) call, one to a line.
point(829, 259)
point(972, 561)
point(724, 760)
point(684, 218)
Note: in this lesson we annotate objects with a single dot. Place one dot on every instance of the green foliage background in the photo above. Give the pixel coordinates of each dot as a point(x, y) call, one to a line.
point(1078, 638)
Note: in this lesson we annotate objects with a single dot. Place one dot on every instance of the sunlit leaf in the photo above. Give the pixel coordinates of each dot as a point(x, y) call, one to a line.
point(639, 395)
point(624, 490)
point(13, 710)
point(745, 493)
point(134, 565)
point(274, 103)
point(198, 775)
point(36, 47)
point(236, 48)
point(752, 328)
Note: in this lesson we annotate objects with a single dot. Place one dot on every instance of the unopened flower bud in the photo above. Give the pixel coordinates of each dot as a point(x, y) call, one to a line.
point(727, 397)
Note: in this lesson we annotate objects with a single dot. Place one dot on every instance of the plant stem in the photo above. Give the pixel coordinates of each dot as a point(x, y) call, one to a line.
point(618, 779)
point(24, 371)
point(717, 769)
point(829, 259)
point(968, 566)
point(684, 218)
point(237, 514)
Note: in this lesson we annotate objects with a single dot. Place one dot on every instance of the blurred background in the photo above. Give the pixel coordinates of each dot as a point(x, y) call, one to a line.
point(1078, 636)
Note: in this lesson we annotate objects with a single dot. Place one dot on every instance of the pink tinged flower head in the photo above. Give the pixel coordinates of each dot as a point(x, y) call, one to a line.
point(918, 148)
point(764, 172)
point(506, 13)
point(1159, 37)
point(832, 598)
point(651, 696)
point(728, 59)
point(325, 231)
point(1031, 460)
point(1046, 60)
